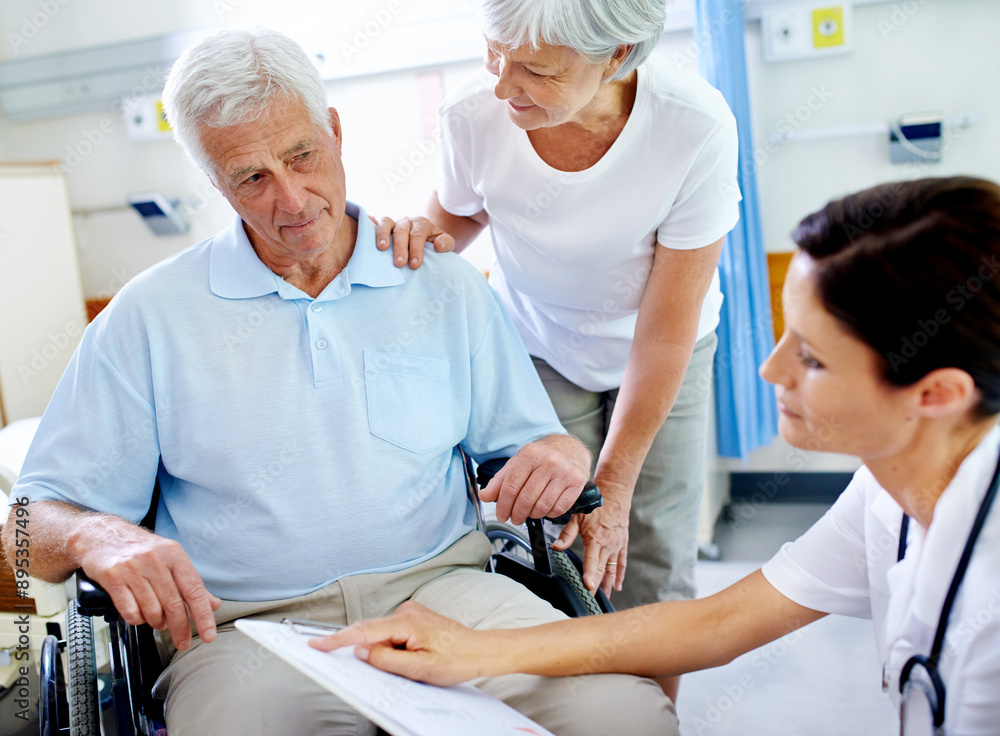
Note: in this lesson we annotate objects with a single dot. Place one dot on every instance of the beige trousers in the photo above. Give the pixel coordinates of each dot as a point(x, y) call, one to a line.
point(235, 686)
point(663, 522)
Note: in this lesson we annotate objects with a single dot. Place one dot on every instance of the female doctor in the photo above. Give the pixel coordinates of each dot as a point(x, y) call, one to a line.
point(891, 352)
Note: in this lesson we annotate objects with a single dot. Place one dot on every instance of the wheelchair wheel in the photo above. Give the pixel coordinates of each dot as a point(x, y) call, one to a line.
point(563, 567)
point(508, 539)
point(51, 714)
point(84, 707)
point(512, 542)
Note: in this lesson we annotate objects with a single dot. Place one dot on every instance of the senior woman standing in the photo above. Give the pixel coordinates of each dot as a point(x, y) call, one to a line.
point(607, 177)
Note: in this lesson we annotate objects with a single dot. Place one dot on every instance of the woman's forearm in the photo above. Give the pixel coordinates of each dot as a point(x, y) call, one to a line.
point(464, 229)
point(652, 381)
point(662, 639)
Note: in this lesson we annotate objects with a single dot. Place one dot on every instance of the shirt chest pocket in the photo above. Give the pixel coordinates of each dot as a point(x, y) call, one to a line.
point(409, 400)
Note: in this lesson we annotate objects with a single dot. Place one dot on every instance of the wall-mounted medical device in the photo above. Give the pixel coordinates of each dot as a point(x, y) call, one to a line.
point(916, 139)
point(795, 30)
point(163, 216)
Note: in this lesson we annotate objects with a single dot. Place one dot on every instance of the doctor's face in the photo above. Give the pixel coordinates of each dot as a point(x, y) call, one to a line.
point(831, 394)
point(284, 176)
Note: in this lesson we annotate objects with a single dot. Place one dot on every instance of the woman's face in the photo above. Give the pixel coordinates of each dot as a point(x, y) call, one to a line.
point(545, 87)
point(831, 395)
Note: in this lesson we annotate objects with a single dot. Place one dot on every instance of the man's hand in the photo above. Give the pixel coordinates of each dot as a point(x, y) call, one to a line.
point(544, 478)
point(149, 578)
point(416, 643)
point(605, 540)
point(409, 235)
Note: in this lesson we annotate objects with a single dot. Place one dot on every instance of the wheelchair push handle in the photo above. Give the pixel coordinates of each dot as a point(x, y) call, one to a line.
point(91, 597)
point(589, 499)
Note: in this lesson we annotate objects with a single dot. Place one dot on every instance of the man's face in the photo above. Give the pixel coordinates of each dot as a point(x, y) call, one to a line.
point(284, 176)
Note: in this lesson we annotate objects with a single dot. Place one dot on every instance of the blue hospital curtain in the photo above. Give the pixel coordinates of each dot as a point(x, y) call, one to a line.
point(745, 406)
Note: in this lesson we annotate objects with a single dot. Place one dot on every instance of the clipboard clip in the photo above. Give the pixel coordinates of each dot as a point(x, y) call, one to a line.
point(303, 626)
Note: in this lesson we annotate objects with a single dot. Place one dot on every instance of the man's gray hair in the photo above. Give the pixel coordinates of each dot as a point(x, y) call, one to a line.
point(230, 78)
point(593, 28)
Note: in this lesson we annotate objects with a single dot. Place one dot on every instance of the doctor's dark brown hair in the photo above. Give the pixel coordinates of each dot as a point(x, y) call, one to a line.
point(913, 270)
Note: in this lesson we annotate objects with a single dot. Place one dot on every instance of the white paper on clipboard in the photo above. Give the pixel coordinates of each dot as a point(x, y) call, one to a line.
point(398, 705)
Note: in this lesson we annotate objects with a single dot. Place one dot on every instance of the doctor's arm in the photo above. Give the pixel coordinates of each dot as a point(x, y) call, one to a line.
point(149, 578)
point(662, 639)
point(665, 334)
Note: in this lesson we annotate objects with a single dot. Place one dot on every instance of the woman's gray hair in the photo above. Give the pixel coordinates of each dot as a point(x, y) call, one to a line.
point(231, 78)
point(595, 29)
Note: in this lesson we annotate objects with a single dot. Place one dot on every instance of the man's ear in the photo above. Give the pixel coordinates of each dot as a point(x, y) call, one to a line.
point(337, 129)
point(947, 391)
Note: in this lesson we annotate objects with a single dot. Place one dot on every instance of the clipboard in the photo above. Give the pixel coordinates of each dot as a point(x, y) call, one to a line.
point(399, 706)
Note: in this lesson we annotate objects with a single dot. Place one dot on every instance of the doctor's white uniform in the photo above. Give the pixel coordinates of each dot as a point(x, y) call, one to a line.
point(847, 564)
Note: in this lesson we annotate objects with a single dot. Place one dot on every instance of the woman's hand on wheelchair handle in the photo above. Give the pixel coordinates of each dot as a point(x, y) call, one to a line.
point(605, 542)
point(416, 643)
point(544, 478)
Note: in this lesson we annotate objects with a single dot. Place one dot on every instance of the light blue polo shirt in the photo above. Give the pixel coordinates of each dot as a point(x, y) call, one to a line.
point(296, 440)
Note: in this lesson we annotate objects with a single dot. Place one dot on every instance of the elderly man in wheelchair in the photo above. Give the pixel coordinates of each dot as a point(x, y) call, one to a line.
point(303, 407)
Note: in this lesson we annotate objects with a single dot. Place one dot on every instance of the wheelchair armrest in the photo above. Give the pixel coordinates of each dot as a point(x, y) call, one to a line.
point(589, 499)
point(91, 598)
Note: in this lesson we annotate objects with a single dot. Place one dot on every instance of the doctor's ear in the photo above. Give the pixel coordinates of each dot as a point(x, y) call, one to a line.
point(947, 391)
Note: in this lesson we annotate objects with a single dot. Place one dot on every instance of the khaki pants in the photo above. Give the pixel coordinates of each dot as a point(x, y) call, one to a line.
point(663, 522)
point(235, 686)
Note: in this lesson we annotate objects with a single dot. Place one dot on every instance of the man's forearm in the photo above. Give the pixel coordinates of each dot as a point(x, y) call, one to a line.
point(54, 530)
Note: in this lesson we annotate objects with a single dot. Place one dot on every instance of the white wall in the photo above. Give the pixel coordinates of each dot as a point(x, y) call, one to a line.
point(908, 56)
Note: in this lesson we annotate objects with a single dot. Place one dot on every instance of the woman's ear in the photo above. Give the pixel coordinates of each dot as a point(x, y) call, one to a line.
point(947, 391)
point(616, 61)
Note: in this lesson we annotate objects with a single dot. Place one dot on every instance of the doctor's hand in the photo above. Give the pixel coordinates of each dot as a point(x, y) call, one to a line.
point(150, 578)
point(419, 644)
point(544, 478)
point(409, 235)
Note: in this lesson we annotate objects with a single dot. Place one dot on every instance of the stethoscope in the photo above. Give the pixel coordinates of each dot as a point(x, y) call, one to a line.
point(929, 664)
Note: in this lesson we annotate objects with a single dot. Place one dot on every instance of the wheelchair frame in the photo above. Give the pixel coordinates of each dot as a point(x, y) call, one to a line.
point(71, 706)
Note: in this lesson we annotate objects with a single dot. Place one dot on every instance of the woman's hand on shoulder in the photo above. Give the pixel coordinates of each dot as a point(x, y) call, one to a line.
point(409, 236)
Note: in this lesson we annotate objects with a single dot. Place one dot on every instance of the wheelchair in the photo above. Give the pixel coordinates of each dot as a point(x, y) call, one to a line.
point(70, 702)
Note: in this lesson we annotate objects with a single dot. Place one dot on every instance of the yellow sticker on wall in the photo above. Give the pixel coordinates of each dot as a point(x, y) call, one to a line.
point(828, 27)
point(161, 118)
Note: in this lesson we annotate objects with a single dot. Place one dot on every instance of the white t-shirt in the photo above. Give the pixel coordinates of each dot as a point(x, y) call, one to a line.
point(846, 564)
point(574, 249)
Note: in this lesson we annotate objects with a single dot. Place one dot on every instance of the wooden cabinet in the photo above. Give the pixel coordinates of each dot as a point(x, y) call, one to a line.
point(42, 313)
